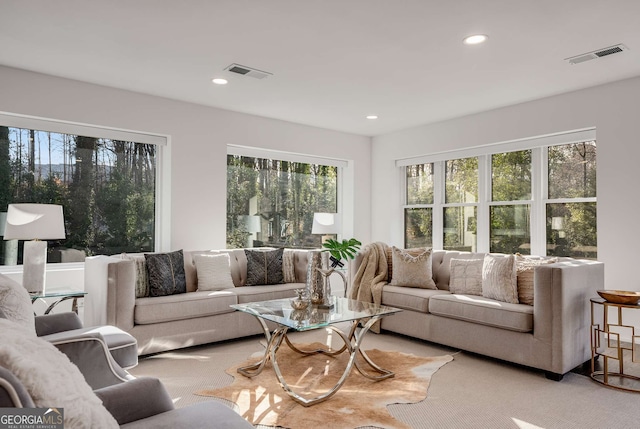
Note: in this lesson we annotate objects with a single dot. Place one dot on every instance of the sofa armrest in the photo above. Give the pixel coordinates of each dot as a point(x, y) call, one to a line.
point(110, 284)
point(58, 322)
point(13, 394)
point(135, 399)
point(89, 352)
point(561, 309)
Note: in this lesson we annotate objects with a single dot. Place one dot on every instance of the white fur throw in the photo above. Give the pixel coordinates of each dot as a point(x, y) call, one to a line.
point(50, 378)
point(15, 303)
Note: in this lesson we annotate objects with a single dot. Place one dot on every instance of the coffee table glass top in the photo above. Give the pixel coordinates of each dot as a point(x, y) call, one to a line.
point(344, 310)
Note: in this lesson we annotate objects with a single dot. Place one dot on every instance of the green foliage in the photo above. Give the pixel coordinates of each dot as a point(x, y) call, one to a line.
point(345, 249)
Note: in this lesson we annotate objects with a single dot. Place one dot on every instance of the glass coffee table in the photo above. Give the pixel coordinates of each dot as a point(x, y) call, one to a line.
point(362, 316)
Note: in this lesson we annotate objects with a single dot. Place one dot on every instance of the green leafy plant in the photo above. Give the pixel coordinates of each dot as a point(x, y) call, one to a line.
point(345, 249)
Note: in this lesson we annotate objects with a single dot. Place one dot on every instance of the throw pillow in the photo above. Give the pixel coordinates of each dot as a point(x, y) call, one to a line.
point(288, 266)
point(165, 272)
point(412, 270)
point(499, 278)
point(142, 282)
point(213, 271)
point(264, 267)
point(525, 268)
point(50, 378)
point(15, 303)
point(466, 276)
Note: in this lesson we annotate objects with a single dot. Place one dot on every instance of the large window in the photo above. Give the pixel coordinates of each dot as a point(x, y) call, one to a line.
point(540, 199)
point(271, 202)
point(106, 187)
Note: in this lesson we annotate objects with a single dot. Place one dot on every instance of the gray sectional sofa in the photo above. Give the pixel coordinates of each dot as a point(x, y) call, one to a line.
point(552, 335)
point(182, 320)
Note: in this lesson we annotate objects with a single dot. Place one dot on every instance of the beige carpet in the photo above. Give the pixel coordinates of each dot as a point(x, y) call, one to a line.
point(360, 402)
point(469, 392)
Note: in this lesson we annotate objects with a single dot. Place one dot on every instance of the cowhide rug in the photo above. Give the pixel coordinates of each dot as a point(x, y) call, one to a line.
point(360, 401)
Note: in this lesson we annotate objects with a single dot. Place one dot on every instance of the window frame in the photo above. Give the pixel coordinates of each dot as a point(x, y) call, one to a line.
point(345, 177)
point(539, 186)
point(163, 171)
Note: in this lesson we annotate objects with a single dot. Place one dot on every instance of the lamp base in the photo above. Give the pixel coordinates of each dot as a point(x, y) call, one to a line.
point(33, 266)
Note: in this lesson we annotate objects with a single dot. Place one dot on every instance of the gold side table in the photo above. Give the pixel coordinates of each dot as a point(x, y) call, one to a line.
point(606, 342)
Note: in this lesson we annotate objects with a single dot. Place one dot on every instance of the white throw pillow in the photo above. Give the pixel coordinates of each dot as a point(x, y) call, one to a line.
point(15, 303)
point(499, 278)
point(50, 378)
point(525, 266)
point(466, 276)
point(412, 269)
point(214, 272)
point(142, 282)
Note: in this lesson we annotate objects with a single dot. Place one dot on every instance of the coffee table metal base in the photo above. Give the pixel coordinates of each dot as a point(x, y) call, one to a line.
point(352, 342)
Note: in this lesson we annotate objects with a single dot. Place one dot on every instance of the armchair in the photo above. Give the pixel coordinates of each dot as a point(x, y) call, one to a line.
point(48, 378)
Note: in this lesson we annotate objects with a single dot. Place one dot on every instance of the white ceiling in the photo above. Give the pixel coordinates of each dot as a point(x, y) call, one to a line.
point(333, 61)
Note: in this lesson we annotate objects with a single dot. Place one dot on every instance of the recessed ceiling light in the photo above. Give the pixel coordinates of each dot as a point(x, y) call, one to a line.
point(219, 81)
point(475, 39)
point(372, 116)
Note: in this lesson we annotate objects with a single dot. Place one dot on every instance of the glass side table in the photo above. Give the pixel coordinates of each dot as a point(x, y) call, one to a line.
point(607, 333)
point(58, 296)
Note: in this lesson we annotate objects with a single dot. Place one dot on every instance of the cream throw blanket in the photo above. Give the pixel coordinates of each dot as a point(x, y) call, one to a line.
point(371, 276)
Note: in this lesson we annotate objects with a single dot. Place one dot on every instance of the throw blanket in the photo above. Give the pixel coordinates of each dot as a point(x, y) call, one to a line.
point(371, 276)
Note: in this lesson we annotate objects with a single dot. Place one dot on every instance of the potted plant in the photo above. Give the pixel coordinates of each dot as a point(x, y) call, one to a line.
point(345, 249)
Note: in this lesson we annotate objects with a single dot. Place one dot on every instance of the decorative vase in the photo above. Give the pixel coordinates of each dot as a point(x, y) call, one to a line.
point(315, 283)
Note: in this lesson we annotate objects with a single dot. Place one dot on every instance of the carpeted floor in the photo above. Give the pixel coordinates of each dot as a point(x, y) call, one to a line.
point(469, 392)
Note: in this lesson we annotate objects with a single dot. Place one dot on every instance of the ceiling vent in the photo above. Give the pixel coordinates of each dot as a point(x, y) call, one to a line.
point(597, 54)
point(248, 71)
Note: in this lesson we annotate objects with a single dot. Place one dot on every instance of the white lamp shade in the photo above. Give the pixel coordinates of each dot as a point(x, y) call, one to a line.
point(251, 223)
point(34, 221)
point(326, 223)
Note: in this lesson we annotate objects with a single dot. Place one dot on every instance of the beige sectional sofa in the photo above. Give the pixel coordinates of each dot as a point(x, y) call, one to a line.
point(553, 334)
point(187, 319)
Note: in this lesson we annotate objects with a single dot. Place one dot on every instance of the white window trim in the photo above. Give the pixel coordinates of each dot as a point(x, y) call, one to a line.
point(346, 177)
point(539, 186)
point(163, 170)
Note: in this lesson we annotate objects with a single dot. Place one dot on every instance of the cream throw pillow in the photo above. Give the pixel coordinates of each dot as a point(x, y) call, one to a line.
point(525, 267)
point(288, 266)
point(50, 378)
point(15, 303)
point(142, 282)
point(466, 276)
point(499, 278)
point(214, 272)
point(412, 270)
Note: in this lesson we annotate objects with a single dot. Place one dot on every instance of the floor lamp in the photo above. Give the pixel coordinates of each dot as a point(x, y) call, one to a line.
point(34, 222)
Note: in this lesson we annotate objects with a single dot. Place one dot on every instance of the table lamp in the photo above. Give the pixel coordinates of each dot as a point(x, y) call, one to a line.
point(326, 224)
point(34, 222)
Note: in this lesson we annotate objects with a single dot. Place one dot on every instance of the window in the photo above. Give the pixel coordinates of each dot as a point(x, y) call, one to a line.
point(540, 198)
point(271, 202)
point(107, 188)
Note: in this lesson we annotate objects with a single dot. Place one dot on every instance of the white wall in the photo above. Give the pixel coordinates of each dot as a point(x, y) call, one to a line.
point(613, 109)
point(199, 138)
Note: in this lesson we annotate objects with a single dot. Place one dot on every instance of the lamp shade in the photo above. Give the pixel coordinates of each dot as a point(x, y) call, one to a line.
point(34, 221)
point(326, 223)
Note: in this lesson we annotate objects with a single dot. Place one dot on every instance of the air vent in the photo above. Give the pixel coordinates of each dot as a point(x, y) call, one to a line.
point(597, 54)
point(248, 71)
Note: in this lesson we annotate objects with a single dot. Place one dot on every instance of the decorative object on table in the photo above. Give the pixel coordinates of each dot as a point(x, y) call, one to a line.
point(301, 302)
point(316, 285)
point(620, 296)
point(339, 250)
point(361, 403)
point(34, 222)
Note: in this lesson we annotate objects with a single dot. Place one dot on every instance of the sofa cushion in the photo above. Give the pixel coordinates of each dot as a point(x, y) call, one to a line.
point(414, 299)
point(142, 281)
point(183, 306)
point(264, 267)
point(267, 292)
point(213, 271)
point(411, 269)
point(165, 272)
point(499, 278)
point(466, 276)
point(525, 267)
point(485, 311)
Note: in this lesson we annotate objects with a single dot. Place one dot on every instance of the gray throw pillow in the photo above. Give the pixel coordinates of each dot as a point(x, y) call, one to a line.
point(165, 273)
point(264, 267)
